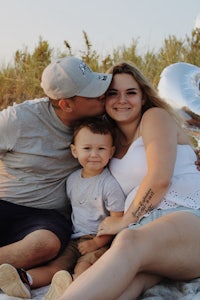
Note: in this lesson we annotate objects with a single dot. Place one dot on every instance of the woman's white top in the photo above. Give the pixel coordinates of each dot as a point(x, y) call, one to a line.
point(184, 189)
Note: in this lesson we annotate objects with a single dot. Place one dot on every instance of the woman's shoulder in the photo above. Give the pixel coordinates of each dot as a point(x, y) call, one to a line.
point(157, 121)
point(156, 113)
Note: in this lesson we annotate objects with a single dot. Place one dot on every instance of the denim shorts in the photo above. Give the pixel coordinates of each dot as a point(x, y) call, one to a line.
point(17, 221)
point(157, 213)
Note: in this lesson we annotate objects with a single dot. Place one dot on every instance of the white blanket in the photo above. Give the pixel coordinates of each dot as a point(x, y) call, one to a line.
point(165, 291)
point(37, 294)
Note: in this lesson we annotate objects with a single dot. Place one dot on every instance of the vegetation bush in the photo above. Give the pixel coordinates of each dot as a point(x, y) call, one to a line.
point(20, 80)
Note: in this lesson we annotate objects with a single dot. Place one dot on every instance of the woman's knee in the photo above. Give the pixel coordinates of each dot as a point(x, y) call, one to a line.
point(126, 238)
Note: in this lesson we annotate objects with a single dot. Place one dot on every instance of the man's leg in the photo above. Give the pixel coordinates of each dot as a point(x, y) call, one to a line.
point(31, 236)
point(36, 248)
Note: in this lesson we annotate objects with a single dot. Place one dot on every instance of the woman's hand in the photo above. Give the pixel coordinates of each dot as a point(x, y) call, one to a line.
point(111, 225)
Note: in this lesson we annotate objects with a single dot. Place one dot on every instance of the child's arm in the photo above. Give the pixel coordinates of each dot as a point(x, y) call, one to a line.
point(98, 241)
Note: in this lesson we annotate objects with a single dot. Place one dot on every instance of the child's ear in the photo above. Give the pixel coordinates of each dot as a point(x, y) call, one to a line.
point(112, 151)
point(73, 150)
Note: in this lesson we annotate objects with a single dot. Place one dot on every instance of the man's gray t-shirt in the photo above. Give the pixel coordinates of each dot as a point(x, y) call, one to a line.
point(35, 157)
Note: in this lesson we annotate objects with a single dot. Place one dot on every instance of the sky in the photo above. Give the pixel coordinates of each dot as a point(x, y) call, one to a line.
point(108, 24)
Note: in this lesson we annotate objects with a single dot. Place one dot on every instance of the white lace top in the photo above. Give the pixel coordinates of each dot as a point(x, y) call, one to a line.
point(185, 184)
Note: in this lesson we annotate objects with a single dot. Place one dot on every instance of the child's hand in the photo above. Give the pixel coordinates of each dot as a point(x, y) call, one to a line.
point(87, 246)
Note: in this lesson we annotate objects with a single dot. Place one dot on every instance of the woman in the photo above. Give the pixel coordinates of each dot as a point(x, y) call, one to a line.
point(158, 234)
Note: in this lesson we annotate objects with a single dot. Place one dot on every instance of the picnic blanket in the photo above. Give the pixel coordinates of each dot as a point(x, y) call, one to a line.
point(167, 290)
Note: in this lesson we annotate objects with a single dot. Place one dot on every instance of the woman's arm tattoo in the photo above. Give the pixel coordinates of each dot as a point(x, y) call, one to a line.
point(145, 205)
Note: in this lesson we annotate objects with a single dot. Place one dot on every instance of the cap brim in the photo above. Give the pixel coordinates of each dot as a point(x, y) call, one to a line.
point(97, 87)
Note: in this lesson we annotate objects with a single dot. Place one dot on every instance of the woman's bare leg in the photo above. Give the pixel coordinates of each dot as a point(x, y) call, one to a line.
point(141, 283)
point(168, 246)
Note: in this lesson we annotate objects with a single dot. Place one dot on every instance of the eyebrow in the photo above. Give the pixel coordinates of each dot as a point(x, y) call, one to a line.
point(133, 88)
point(130, 89)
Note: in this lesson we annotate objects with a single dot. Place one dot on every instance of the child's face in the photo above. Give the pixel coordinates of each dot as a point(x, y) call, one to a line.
point(92, 150)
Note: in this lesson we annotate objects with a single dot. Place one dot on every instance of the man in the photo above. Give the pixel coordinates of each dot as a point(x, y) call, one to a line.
point(35, 159)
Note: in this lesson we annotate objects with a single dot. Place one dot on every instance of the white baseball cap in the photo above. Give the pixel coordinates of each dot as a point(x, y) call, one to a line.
point(70, 76)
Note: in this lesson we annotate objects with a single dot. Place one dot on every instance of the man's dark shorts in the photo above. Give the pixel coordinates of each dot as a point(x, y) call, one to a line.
point(17, 221)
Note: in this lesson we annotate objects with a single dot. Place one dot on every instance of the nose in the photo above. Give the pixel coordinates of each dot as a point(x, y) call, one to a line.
point(122, 98)
point(93, 153)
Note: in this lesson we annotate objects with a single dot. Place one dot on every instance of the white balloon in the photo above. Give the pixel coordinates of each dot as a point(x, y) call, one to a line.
point(197, 22)
point(179, 85)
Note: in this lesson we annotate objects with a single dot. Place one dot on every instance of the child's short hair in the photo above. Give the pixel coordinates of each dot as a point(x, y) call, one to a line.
point(99, 125)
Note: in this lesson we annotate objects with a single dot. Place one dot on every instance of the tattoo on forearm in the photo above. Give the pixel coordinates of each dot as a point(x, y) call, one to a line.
point(145, 205)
